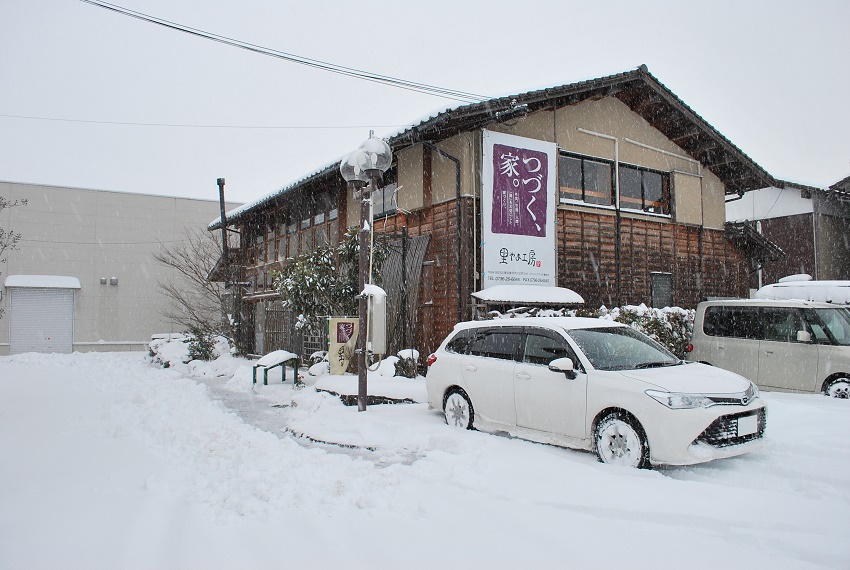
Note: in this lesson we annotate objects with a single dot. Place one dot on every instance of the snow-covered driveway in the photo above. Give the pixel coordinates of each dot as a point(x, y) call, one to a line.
point(108, 462)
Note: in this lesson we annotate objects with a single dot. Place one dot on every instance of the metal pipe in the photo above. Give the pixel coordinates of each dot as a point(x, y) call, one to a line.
point(459, 222)
point(617, 220)
point(224, 259)
point(363, 302)
point(667, 152)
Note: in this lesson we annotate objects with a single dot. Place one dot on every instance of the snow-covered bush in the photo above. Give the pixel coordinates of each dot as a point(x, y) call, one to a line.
point(671, 326)
point(169, 350)
point(201, 345)
point(407, 363)
point(178, 349)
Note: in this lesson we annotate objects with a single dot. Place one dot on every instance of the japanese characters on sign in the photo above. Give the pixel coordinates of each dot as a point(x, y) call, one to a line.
point(518, 207)
point(519, 191)
point(342, 339)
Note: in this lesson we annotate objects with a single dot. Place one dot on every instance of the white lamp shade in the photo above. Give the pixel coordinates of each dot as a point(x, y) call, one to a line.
point(378, 153)
point(353, 167)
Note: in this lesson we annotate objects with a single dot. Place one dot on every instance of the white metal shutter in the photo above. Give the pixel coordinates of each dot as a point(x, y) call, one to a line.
point(41, 320)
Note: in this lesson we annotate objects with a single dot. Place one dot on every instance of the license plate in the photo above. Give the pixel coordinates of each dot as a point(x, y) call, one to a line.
point(748, 425)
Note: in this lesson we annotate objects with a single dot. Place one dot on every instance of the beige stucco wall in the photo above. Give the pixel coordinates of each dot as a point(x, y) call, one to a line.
point(89, 234)
point(699, 200)
point(443, 181)
point(410, 178)
point(687, 202)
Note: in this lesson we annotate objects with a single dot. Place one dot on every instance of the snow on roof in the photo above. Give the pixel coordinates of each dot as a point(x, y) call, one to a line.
point(42, 281)
point(820, 291)
point(529, 294)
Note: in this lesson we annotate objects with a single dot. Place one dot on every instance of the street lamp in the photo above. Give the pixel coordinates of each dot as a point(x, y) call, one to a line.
point(363, 169)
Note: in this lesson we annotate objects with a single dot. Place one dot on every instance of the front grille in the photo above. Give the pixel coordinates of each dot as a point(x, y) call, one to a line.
point(723, 431)
point(741, 399)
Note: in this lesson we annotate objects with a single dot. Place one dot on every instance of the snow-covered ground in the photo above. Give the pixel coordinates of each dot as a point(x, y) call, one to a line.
point(110, 462)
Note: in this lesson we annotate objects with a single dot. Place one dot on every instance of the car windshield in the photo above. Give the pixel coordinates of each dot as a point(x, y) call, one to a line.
point(621, 348)
point(837, 322)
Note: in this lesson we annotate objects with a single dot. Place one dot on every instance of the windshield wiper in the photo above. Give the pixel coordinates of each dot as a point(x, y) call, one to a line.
point(658, 364)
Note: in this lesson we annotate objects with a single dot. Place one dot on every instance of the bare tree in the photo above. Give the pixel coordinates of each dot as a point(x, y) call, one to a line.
point(196, 302)
point(8, 238)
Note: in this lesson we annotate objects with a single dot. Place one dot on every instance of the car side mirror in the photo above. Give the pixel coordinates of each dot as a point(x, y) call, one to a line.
point(804, 336)
point(564, 365)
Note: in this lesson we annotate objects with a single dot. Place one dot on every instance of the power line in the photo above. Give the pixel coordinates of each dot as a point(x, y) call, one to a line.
point(196, 126)
point(445, 93)
point(105, 242)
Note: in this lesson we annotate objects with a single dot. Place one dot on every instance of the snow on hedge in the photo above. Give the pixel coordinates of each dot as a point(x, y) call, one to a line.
point(670, 326)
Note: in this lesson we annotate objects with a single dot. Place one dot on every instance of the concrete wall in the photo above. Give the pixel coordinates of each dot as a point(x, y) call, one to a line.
point(91, 234)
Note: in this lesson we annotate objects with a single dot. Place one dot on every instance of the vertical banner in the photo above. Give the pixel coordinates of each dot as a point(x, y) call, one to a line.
point(342, 340)
point(519, 179)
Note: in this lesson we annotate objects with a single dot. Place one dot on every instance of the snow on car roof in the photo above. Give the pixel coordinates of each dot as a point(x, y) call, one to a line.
point(821, 291)
point(798, 303)
point(566, 323)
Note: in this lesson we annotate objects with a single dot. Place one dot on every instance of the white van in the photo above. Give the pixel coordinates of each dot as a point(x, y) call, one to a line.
point(791, 346)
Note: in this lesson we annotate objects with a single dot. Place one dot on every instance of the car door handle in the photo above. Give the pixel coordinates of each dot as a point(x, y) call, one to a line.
point(471, 367)
point(769, 351)
point(523, 376)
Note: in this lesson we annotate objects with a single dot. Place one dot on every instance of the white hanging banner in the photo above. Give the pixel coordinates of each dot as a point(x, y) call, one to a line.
point(519, 178)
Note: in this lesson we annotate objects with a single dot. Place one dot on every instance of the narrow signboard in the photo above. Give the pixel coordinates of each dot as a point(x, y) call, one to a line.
point(518, 211)
point(342, 339)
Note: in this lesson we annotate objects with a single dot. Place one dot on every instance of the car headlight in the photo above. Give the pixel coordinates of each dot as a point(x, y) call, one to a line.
point(753, 392)
point(680, 401)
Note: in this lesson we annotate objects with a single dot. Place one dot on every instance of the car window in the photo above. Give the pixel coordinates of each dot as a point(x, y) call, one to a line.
point(837, 324)
point(621, 348)
point(541, 348)
point(460, 343)
point(735, 322)
point(505, 344)
point(781, 324)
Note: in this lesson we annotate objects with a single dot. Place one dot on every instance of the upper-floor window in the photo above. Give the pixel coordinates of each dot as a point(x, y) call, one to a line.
point(333, 204)
point(585, 180)
point(320, 201)
point(644, 189)
point(306, 211)
point(384, 200)
point(591, 180)
point(291, 220)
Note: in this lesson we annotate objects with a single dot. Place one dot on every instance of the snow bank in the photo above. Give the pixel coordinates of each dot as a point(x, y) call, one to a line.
point(114, 463)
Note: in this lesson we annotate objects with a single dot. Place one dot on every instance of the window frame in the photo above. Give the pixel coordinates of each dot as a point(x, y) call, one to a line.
point(552, 335)
point(615, 186)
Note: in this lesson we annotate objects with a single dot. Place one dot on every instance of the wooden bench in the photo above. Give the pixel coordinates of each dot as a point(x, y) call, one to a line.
point(273, 360)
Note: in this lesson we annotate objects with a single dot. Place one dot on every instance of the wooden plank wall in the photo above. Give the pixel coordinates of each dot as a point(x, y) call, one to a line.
point(587, 259)
point(438, 294)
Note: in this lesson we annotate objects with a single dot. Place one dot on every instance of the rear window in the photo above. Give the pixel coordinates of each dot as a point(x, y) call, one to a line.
point(460, 343)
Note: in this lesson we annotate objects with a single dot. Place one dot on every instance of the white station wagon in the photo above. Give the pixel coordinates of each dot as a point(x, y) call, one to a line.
point(594, 385)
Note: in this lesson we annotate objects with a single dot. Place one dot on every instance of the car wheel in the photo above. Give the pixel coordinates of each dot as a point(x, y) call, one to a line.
point(620, 441)
point(458, 410)
point(839, 388)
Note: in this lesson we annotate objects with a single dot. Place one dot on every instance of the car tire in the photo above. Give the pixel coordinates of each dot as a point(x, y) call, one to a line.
point(839, 388)
point(620, 440)
point(458, 409)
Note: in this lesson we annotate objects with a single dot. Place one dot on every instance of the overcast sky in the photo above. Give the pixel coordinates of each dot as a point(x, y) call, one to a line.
point(773, 77)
